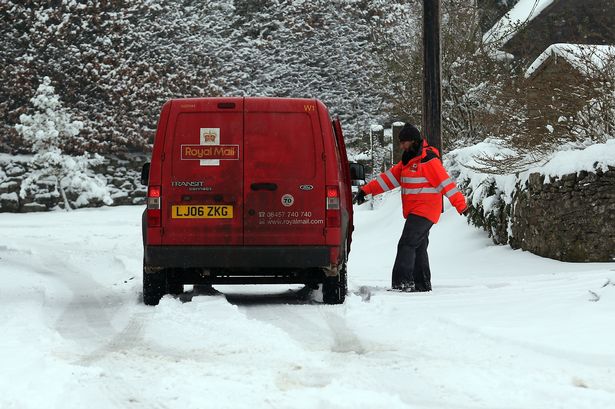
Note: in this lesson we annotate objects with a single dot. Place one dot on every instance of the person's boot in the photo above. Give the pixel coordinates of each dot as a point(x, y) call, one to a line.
point(404, 287)
point(408, 288)
point(422, 287)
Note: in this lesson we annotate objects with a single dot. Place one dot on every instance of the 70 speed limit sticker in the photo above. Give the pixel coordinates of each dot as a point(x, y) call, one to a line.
point(288, 200)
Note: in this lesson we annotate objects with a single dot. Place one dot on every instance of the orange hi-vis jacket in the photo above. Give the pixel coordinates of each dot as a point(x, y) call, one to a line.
point(423, 181)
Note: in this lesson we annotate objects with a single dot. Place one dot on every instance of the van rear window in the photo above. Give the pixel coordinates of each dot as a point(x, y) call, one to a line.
point(276, 142)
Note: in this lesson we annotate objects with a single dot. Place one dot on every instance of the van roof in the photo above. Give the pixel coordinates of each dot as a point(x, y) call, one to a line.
point(265, 99)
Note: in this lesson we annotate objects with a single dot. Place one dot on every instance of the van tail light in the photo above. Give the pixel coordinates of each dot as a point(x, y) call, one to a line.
point(333, 213)
point(154, 213)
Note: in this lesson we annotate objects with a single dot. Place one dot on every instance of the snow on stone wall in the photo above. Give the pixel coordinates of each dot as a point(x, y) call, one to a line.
point(123, 175)
point(564, 210)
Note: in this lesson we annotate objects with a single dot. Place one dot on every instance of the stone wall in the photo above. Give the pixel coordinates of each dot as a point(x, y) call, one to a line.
point(571, 218)
point(123, 176)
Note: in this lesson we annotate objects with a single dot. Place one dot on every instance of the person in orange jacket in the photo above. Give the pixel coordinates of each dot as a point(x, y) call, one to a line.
point(423, 181)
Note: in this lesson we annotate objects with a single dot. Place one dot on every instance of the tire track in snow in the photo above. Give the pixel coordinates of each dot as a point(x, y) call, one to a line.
point(285, 315)
point(87, 319)
point(345, 339)
point(87, 316)
point(126, 340)
point(332, 348)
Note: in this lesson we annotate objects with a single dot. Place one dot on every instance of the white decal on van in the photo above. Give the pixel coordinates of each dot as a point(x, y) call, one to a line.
point(192, 186)
point(181, 183)
point(210, 136)
point(288, 200)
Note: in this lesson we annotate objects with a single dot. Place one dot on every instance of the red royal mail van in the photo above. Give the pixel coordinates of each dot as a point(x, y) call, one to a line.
point(247, 191)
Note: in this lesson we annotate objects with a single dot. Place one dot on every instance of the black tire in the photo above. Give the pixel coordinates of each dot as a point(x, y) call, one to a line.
point(174, 278)
point(334, 288)
point(154, 287)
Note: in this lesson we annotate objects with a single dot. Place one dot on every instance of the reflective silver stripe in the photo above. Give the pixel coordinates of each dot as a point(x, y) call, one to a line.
point(452, 192)
point(382, 184)
point(414, 180)
point(392, 178)
point(442, 185)
point(405, 191)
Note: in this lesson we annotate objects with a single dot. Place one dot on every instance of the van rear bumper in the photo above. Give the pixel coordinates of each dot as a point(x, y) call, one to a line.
point(237, 256)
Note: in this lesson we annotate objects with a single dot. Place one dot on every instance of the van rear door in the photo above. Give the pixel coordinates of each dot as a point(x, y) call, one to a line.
point(284, 191)
point(202, 190)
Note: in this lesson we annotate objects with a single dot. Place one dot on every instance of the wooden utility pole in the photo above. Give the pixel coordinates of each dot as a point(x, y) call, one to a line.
point(432, 94)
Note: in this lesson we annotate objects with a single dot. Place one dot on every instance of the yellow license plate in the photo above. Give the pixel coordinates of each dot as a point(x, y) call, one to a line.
point(202, 212)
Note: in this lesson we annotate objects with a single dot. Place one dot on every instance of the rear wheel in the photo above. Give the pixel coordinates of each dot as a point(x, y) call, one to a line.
point(154, 286)
point(174, 281)
point(334, 288)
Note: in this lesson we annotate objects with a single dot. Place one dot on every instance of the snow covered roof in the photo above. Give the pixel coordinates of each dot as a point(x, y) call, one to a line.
point(506, 28)
point(586, 58)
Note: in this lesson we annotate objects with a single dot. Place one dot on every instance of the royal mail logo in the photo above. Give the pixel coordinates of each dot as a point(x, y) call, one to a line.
point(209, 137)
point(210, 152)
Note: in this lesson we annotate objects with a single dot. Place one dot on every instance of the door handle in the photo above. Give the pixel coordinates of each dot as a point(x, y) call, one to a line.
point(264, 186)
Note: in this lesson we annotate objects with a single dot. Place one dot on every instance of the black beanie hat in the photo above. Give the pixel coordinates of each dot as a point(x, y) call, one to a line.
point(409, 133)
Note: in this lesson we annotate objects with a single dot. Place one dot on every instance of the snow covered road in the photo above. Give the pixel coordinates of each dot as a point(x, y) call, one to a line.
point(502, 328)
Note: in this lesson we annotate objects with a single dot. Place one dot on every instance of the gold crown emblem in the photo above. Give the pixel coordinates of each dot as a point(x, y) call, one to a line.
point(209, 137)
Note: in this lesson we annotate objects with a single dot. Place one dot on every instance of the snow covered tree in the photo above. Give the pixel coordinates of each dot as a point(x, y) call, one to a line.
point(46, 131)
point(314, 48)
point(74, 43)
point(398, 81)
point(117, 62)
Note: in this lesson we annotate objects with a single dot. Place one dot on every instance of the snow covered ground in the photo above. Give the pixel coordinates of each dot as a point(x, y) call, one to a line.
point(502, 328)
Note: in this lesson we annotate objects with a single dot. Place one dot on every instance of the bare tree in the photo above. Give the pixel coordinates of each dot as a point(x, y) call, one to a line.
point(572, 105)
point(479, 95)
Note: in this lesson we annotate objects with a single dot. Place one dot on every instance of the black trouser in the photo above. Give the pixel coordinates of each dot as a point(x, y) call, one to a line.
point(412, 263)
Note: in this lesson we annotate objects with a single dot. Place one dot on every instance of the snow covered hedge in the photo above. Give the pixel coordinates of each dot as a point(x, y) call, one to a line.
point(115, 63)
point(564, 209)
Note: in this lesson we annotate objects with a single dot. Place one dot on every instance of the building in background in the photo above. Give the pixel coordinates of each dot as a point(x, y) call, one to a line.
point(566, 48)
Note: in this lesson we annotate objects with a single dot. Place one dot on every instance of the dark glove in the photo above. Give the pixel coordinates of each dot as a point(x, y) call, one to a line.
point(359, 198)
